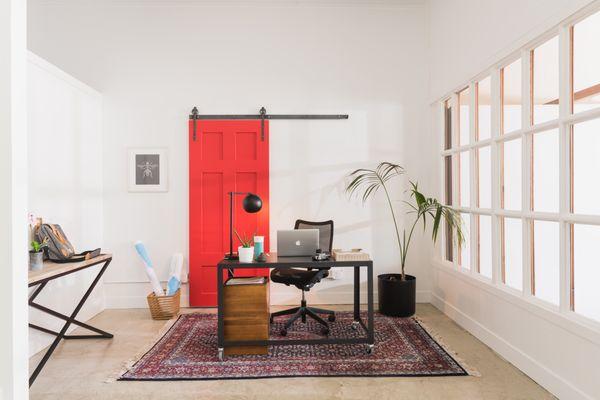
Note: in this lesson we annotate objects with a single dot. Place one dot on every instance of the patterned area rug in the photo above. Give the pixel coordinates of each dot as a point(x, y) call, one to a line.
point(188, 351)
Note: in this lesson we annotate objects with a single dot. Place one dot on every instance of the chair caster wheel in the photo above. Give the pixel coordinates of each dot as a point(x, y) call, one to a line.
point(354, 325)
point(331, 318)
point(283, 332)
point(325, 331)
point(370, 348)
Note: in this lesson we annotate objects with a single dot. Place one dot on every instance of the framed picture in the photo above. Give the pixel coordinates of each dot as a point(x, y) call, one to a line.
point(148, 170)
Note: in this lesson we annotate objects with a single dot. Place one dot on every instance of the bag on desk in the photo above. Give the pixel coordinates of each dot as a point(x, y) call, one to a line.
point(59, 249)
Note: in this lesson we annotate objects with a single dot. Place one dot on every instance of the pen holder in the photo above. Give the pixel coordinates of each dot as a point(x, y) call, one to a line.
point(259, 245)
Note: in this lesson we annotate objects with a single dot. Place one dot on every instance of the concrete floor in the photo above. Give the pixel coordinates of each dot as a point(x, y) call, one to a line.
point(79, 369)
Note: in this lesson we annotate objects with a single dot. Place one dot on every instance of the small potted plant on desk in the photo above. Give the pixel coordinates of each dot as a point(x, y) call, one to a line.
point(397, 292)
point(246, 250)
point(36, 255)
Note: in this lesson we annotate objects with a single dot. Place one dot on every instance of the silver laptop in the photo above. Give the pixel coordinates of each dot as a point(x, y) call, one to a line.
point(297, 242)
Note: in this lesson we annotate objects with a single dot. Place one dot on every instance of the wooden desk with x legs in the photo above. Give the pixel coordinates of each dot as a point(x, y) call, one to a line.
point(53, 271)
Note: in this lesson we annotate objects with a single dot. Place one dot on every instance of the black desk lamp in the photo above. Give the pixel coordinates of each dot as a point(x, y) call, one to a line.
point(252, 204)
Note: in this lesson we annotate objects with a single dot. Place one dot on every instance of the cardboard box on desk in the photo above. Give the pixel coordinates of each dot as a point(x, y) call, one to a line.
point(350, 255)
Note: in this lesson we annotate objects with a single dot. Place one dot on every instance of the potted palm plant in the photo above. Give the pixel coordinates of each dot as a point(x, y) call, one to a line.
point(397, 292)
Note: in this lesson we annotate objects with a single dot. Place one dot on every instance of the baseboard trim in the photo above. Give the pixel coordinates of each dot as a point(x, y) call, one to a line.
point(133, 295)
point(285, 299)
point(538, 372)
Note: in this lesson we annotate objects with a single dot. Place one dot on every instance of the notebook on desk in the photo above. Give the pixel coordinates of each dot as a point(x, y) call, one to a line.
point(250, 280)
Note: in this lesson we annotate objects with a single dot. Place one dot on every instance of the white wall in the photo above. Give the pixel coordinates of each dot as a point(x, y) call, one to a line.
point(13, 200)
point(468, 37)
point(65, 182)
point(154, 63)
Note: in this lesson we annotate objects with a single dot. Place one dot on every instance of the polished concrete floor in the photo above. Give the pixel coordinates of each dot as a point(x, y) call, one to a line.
point(79, 369)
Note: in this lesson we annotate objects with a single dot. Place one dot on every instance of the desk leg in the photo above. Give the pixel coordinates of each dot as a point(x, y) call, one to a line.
point(356, 293)
point(220, 310)
point(69, 321)
point(371, 322)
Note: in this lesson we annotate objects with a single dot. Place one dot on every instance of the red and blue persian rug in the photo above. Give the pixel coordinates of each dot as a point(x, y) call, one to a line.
point(188, 351)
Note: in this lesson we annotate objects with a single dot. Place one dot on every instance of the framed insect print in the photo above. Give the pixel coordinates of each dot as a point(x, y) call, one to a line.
point(148, 170)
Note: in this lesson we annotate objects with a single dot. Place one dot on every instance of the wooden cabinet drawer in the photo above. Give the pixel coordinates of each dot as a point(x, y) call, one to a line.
point(246, 316)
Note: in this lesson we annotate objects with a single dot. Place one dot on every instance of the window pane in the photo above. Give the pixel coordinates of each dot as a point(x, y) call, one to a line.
point(546, 260)
point(465, 251)
point(586, 164)
point(484, 109)
point(545, 171)
point(447, 125)
point(448, 180)
point(513, 253)
point(485, 177)
point(448, 243)
point(465, 177)
point(463, 126)
point(586, 64)
point(545, 81)
point(485, 246)
point(511, 174)
point(511, 97)
point(586, 271)
point(448, 239)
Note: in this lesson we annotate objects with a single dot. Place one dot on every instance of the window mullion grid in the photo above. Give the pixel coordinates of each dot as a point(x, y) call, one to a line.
point(496, 124)
point(565, 107)
point(455, 110)
point(527, 173)
point(474, 175)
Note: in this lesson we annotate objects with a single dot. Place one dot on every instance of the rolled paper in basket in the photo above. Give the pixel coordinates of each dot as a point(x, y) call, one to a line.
point(156, 287)
point(175, 276)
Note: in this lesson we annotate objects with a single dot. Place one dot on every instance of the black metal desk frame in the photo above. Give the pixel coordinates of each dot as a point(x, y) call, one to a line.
point(301, 262)
point(42, 282)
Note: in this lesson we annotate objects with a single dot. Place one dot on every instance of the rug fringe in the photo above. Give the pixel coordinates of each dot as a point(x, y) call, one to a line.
point(127, 365)
point(436, 336)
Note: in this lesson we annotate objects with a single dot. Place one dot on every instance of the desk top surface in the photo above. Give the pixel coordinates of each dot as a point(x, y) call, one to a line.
point(274, 261)
point(52, 269)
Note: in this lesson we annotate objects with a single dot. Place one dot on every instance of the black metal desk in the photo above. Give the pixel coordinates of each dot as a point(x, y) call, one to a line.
point(53, 271)
point(301, 262)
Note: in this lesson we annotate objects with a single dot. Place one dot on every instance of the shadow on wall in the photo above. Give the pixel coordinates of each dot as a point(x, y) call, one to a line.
point(308, 178)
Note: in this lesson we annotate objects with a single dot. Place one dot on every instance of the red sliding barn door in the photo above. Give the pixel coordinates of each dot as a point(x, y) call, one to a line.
point(226, 156)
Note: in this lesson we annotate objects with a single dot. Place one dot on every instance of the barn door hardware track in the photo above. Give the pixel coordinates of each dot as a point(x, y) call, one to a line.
point(262, 116)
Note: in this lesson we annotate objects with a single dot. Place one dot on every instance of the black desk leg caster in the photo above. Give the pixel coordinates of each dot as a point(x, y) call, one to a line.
point(370, 348)
point(354, 325)
point(221, 354)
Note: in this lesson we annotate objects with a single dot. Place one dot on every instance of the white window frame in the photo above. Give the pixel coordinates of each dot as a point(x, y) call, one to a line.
point(563, 313)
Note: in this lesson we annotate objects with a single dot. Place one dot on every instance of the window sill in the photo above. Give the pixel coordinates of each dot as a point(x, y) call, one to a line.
point(570, 321)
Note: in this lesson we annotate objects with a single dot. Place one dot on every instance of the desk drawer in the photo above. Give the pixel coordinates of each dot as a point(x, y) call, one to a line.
point(246, 316)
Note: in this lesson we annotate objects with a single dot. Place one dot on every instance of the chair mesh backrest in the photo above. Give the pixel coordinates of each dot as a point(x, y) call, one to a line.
point(325, 232)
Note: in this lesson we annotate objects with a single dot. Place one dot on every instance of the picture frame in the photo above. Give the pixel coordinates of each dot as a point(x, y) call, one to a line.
point(148, 170)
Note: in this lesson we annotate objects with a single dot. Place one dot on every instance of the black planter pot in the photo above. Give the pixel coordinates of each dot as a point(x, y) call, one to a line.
point(396, 297)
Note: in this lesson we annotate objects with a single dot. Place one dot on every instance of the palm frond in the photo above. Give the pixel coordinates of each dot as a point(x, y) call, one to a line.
point(369, 181)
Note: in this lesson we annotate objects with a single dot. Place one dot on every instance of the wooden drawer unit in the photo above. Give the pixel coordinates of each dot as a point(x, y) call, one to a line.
point(246, 316)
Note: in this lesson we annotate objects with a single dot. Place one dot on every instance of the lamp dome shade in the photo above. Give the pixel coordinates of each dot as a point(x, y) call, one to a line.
point(252, 203)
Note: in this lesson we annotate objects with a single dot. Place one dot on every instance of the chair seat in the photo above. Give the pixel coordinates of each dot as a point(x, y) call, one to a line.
point(301, 278)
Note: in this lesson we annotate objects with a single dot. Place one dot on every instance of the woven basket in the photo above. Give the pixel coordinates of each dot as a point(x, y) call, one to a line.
point(164, 307)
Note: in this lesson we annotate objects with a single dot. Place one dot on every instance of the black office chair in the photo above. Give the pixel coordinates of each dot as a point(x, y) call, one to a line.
point(306, 278)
